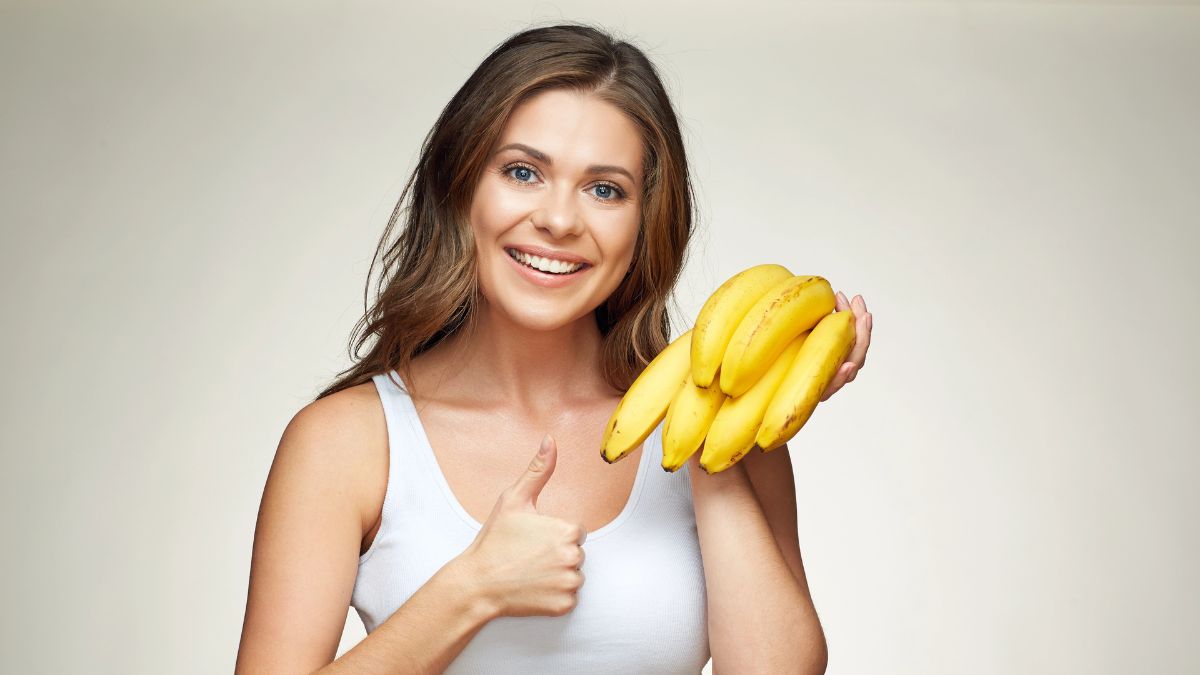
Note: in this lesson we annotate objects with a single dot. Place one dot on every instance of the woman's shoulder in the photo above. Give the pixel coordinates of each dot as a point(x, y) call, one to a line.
point(348, 417)
point(343, 437)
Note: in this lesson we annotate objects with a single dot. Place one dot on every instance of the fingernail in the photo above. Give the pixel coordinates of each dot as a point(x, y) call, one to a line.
point(545, 447)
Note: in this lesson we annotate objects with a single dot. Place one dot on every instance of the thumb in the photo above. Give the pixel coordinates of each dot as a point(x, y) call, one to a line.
point(530, 484)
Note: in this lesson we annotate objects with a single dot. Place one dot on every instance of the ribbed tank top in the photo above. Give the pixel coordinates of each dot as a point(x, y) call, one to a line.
point(641, 609)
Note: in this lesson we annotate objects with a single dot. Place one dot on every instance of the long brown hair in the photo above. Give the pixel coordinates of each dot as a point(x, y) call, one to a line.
point(428, 289)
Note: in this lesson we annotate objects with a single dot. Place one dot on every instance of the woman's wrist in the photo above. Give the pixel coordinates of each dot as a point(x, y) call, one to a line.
point(733, 479)
point(463, 576)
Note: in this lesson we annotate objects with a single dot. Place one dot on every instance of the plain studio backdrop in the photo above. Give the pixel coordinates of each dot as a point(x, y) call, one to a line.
point(191, 195)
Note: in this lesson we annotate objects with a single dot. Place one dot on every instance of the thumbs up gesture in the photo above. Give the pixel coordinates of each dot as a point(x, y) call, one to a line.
point(527, 562)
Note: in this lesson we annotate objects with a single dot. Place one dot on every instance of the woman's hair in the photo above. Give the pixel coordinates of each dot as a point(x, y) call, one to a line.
point(428, 286)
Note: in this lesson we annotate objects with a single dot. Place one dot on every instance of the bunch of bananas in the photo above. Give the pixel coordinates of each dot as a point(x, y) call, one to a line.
point(750, 372)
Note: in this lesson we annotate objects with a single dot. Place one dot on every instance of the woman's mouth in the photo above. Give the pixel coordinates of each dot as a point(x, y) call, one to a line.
point(545, 272)
point(548, 266)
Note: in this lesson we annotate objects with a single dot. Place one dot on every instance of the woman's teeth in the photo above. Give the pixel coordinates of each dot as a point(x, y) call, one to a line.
point(543, 264)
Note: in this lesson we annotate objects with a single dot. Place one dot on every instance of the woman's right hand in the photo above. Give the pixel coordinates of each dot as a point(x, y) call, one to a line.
point(525, 562)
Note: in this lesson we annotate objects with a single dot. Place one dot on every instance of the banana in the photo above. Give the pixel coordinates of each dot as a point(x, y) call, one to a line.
point(691, 411)
point(645, 402)
point(722, 312)
point(789, 308)
point(732, 431)
point(806, 379)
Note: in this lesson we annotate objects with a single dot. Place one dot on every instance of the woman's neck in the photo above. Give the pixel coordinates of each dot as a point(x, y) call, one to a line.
point(502, 362)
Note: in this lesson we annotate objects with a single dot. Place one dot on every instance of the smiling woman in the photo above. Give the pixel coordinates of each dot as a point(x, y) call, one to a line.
point(545, 226)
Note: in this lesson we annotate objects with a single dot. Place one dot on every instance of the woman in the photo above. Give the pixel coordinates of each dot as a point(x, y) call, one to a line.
point(550, 214)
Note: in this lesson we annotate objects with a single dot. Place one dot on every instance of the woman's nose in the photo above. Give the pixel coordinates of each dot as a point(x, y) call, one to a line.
point(558, 215)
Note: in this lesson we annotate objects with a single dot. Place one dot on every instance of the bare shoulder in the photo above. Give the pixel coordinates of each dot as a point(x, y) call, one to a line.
point(345, 432)
point(342, 412)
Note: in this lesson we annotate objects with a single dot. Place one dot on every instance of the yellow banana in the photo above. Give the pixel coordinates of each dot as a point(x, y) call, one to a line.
point(722, 312)
point(788, 309)
point(691, 411)
point(732, 431)
point(806, 379)
point(645, 402)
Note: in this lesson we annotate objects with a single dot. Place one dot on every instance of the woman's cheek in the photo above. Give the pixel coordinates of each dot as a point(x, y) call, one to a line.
point(507, 206)
point(617, 271)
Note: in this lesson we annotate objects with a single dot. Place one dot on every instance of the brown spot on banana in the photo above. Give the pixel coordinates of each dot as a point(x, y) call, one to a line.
point(799, 288)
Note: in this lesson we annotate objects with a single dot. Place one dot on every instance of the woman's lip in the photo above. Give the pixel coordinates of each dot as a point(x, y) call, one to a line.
point(545, 279)
point(551, 254)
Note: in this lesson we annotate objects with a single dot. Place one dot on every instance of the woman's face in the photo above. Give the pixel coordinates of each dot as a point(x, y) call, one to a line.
point(563, 184)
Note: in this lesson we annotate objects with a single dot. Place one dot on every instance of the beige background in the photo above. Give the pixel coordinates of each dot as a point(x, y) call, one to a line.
point(190, 196)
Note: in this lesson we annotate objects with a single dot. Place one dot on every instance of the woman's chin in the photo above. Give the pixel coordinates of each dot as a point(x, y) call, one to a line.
point(551, 317)
point(546, 322)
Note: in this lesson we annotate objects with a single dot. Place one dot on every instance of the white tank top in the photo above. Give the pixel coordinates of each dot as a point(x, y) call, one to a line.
point(642, 607)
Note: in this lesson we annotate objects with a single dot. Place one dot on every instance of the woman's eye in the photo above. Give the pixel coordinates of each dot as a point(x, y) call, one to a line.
point(519, 171)
point(608, 193)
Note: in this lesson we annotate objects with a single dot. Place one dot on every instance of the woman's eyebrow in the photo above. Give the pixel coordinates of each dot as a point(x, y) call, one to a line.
point(543, 157)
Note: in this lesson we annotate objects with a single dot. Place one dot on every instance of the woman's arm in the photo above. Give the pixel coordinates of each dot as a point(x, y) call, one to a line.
point(305, 559)
point(426, 633)
point(774, 484)
point(761, 618)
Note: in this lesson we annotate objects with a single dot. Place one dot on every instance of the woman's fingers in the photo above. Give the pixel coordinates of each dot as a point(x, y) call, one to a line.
point(839, 379)
point(862, 335)
point(857, 358)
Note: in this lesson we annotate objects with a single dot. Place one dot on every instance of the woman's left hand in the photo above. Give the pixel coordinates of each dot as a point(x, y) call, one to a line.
point(858, 353)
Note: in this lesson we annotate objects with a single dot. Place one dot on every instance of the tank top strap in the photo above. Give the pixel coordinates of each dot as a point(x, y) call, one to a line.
point(412, 492)
point(668, 495)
